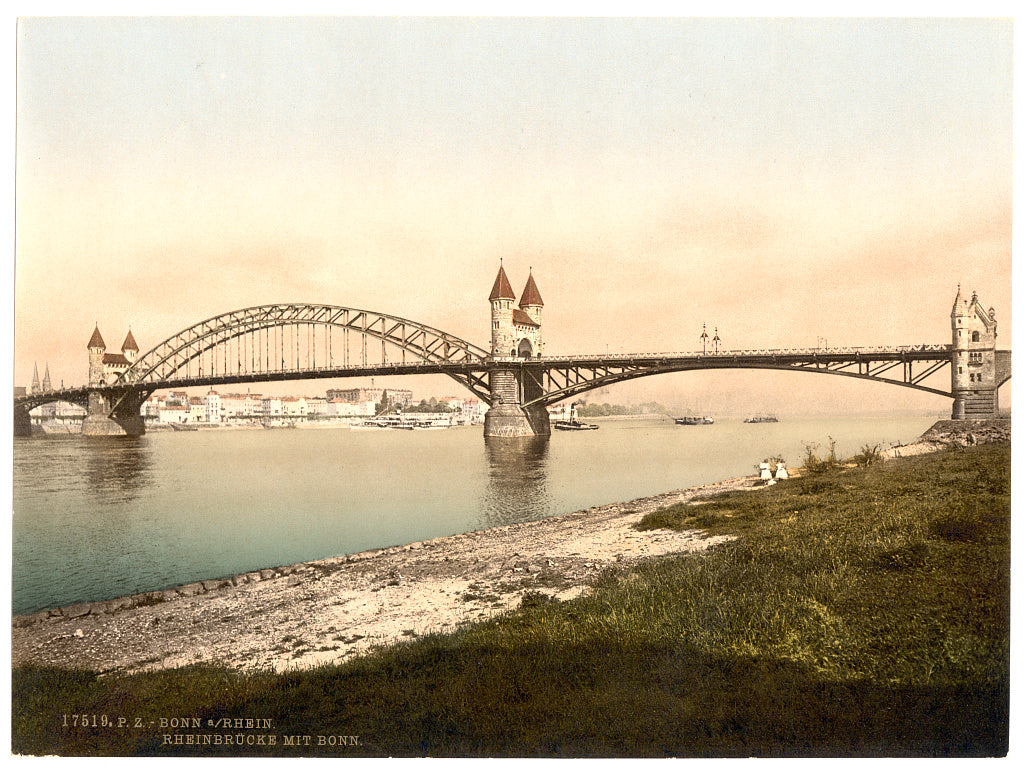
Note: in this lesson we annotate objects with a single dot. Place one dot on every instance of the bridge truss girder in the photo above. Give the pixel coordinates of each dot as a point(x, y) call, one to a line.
point(72, 396)
point(474, 376)
point(562, 379)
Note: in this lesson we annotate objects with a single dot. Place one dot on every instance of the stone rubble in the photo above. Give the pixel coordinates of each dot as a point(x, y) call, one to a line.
point(948, 434)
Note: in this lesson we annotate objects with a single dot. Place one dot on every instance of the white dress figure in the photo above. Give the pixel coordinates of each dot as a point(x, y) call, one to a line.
point(780, 471)
point(766, 472)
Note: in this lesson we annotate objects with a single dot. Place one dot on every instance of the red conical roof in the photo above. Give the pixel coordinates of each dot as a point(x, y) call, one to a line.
point(96, 341)
point(531, 296)
point(502, 289)
point(129, 343)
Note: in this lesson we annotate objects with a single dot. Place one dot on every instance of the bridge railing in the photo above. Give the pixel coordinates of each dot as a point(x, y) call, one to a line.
point(831, 351)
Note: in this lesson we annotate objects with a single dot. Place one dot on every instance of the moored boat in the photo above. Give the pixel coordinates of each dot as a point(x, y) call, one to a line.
point(761, 419)
point(695, 420)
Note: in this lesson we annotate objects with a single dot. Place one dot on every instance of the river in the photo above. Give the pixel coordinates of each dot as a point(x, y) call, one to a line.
point(98, 518)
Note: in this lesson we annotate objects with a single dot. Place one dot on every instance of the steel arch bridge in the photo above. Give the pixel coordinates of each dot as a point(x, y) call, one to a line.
point(294, 341)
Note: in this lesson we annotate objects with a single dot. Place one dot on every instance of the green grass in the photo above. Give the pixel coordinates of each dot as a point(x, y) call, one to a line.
point(861, 612)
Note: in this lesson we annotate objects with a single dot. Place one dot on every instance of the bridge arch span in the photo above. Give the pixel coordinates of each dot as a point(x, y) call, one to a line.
point(297, 338)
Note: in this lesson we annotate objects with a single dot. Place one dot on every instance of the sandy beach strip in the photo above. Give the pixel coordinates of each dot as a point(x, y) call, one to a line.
point(327, 611)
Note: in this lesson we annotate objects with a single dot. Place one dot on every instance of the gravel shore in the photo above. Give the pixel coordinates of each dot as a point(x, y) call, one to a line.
point(329, 610)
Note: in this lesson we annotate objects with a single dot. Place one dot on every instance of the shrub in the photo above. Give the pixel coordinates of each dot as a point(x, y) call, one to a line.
point(815, 465)
point(868, 455)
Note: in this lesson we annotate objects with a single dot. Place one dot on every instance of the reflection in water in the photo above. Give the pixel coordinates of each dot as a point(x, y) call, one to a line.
point(96, 518)
point(118, 467)
point(517, 485)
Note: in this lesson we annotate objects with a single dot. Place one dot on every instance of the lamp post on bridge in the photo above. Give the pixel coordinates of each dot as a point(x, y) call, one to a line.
point(704, 339)
point(716, 340)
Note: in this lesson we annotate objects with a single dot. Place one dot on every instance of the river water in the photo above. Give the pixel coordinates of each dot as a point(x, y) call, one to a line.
point(98, 518)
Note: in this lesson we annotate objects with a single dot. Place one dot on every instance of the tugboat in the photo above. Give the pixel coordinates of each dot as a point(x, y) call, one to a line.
point(574, 423)
point(761, 419)
point(695, 420)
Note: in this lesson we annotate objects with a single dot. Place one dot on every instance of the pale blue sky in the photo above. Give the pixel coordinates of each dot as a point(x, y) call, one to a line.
point(783, 179)
point(818, 91)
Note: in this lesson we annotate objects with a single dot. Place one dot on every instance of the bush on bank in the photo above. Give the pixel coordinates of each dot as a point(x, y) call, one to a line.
point(861, 612)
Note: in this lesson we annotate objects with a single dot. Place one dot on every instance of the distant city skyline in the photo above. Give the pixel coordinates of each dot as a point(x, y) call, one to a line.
point(787, 181)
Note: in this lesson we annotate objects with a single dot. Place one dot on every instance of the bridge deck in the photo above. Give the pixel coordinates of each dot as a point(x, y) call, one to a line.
point(832, 360)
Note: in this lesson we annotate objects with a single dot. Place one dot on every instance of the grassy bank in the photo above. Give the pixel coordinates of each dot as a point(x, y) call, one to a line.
point(861, 612)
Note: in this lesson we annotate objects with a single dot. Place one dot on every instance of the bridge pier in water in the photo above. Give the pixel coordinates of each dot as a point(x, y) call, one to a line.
point(508, 417)
point(124, 419)
point(22, 421)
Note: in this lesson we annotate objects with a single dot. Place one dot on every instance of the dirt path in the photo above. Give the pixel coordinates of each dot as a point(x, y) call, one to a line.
point(330, 610)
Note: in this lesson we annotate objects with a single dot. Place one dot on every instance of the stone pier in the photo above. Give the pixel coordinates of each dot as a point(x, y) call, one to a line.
point(507, 417)
point(125, 419)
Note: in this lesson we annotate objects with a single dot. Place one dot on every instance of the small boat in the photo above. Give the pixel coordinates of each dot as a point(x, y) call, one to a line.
point(761, 419)
point(573, 424)
point(184, 427)
point(695, 420)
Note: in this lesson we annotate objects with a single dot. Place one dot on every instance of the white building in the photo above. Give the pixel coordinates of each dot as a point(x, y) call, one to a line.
point(214, 409)
point(474, 410)
point(348, 409)
point(174, 414)
point(316, 406)
point(232, 406)
point(151, 407)
point(293, 407)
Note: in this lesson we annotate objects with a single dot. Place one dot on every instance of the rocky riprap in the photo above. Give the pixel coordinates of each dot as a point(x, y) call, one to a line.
point(951, 433)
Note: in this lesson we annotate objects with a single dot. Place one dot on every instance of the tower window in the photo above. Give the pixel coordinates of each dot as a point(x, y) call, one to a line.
point(975, 336)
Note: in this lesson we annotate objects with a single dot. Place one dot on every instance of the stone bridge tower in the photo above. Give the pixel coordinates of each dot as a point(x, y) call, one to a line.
point(977, 368)
point(516, 340)
point(102, 417)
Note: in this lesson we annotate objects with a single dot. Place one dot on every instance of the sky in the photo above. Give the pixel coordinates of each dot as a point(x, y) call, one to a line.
point(788, 182)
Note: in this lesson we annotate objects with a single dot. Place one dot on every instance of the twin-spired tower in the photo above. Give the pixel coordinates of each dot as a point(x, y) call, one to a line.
point(515, 340)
